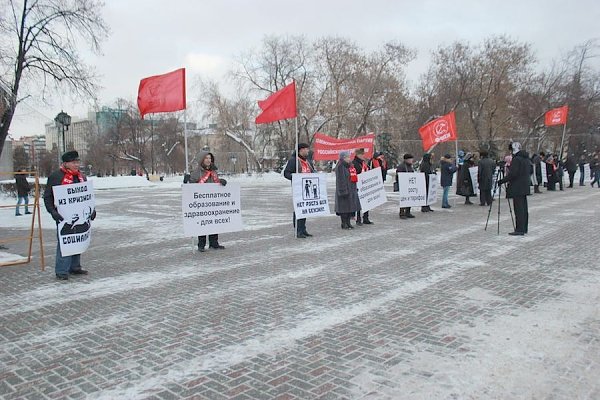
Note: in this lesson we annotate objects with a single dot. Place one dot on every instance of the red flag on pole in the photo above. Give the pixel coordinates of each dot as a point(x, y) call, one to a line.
point(556, 116)
point(280, 105)
point(162, 93)
point(442, 129)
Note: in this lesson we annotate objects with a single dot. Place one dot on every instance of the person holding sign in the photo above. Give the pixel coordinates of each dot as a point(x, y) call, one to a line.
point(464, 185)
point(406, 166)
point(346, 194)
point(67, 174)
point(302, 165)
point(207, 173)
point(427, 169)
point(379, 161)
point(360, 164)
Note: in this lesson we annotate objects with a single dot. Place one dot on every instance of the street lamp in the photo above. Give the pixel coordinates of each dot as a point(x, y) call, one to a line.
point(63, 120)
point(233, 159)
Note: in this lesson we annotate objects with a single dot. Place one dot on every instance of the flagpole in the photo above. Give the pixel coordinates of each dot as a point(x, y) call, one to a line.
point(456, 163)
point(185, 136)
point(297, 162)
point(562, 142)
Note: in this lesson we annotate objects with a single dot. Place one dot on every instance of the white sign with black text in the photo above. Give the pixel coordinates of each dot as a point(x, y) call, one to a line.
point(371, 191)
point(75, 203)
point(432, 195)
point(412, 189)
point(209, 208)
point(309, 192)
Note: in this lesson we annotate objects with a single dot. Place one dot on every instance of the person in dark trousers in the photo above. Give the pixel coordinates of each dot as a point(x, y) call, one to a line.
point(207, 173)
point(427, 169)
point(68, 173)
point(303, 165)
point(464, 184)
point(380, 161)
point(485, 174)
point(595, 171)
point(346, 194)
point(551, 175)
point(582, 170)
point(406, 166)
point(536, 160)
point(23, 190)
point(571, 167)
point(361, 164)
point(447, 170)
point(559, 167)
point(518, 180)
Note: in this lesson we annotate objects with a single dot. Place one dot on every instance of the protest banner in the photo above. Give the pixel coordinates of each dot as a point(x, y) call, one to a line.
point(473, 171)
point(328, 148)
point(209, 208)
point(411, 189)
point(371, 192)
point(432, 195)
point(544, 173)
point(75, 203)
point(309, 193)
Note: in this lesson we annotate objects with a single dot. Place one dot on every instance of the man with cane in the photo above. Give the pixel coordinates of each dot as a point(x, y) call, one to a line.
point(518, 187)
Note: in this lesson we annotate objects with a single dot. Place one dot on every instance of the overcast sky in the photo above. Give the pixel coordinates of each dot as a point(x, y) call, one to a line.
point(150, 37)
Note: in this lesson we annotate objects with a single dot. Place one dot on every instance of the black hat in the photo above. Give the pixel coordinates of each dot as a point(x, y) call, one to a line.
point(70, 156)
point(303, 146)
point(407, 156)
point(447, 155)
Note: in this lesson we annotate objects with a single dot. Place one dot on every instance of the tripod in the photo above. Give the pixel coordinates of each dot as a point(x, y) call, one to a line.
point(497, 187)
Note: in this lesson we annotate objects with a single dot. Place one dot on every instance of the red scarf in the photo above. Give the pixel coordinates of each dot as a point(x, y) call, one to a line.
point(69, 175)
point(207, 175)
point(304, 166)
point(353, 175)
point(365, 167)
point(376, 163)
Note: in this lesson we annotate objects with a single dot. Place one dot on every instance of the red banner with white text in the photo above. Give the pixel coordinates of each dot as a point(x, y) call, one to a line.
point(328, 148)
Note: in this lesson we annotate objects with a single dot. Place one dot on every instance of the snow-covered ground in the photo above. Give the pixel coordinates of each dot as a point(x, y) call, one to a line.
point(431, 308)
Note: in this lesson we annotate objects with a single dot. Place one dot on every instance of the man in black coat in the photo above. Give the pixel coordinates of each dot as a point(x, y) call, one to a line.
point(303, 165)
point(536, 160)
point(447, 170)
point(571, 167)
point(427, 169)
point(22, 193)
point(406, 166)
point(68, 173)
point(485, 174)
point(518, 187)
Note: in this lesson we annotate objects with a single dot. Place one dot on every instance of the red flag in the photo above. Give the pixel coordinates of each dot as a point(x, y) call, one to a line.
point(442, 129)
point(557, 116)
point(280, 105)
point(162, 93)
point(328, 148)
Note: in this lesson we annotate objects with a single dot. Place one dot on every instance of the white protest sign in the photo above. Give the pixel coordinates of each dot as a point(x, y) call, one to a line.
point(544, 173)
point(75, 203)
point(371, 192)
point(412, 190)
point(309, 192)
point(473, 172)
point(209, 208)
point(432, 195)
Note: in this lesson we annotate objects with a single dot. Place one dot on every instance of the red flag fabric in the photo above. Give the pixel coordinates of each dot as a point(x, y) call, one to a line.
point(162, 93)
point(328, 148)
point(442, 129)
point(556, 116)
point(280, 105)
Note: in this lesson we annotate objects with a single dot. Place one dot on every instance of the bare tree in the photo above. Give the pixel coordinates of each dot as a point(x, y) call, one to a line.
point(40, 47)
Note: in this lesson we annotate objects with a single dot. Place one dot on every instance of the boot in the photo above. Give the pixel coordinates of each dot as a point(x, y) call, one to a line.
point(358, 219)
point(348, 223)
point(536, 189)
point(402, 214)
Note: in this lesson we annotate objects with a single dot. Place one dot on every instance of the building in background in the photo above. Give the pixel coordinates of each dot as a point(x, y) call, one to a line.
point(35, 148)
point(6, 160)
point(76, 137)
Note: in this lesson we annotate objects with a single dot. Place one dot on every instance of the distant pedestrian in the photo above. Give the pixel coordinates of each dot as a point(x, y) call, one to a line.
point(551, 174)
point(447, 170)
point(464, 184)
point(361, 164)
point(582, 170)
point(485, 174)
point(571, 167)
point(346, 194)
point(299, 163)
point(427, 169)
point(536, 160)
point(23, 190)
point(595, 170)
point(380, 161)
point(560, 171)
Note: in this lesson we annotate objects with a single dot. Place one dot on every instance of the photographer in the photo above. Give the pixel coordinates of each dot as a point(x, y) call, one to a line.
point(518, 187)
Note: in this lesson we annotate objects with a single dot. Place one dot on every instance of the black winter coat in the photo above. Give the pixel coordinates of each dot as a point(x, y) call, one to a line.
point(464, 184)
point(518, 177)
point(447, 170)
point(485, 173)
point(22, 185)
point(537, 167)
point(290, 167)
point(54, 179)
point(346, 194)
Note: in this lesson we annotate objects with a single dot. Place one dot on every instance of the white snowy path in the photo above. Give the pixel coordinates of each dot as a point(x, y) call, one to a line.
point(429, 308)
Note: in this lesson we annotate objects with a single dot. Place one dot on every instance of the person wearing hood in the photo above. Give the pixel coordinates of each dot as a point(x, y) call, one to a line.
point(464, 184)
point(406, 166)
point(207, 173)
point(303, 165)
point(447, 170)
point(485, 174)
point(346, 194)
point(518, 187)
point(361, 165)
point(427, 169)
